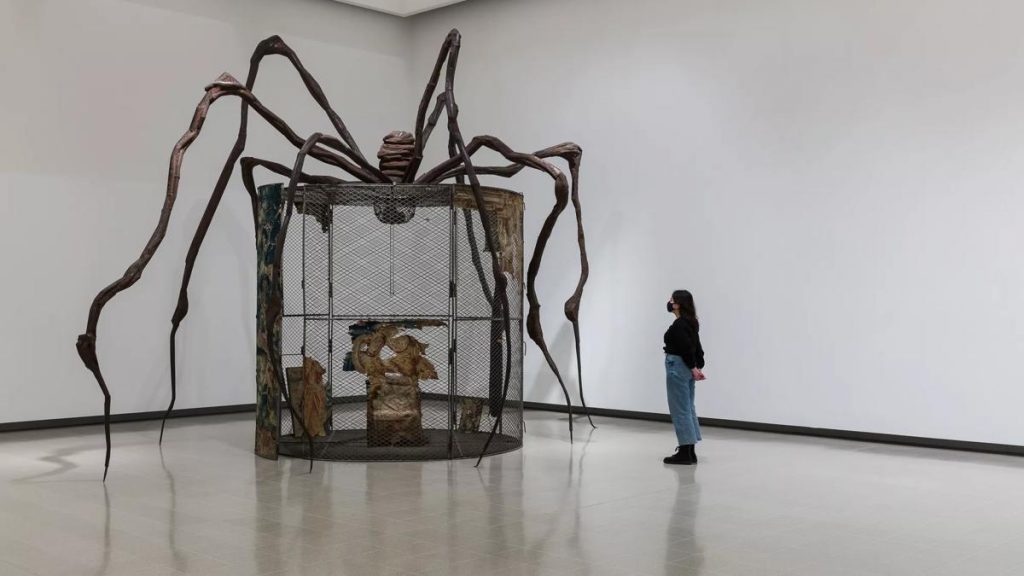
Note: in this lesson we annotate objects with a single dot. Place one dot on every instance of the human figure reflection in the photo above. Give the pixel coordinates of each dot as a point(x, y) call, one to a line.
point(682, 550)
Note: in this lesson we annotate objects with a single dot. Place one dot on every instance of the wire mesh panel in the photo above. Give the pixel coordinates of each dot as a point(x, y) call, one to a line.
point(392, 257)
point(392, 339)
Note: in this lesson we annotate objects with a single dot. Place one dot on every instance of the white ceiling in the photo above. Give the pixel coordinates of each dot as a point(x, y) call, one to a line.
point(401, 7)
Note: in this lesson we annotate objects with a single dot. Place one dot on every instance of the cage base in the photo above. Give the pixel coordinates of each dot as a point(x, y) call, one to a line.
point(352, 446)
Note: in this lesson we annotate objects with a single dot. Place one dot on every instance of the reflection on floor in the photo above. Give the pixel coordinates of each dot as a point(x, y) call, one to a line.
point(757, 504)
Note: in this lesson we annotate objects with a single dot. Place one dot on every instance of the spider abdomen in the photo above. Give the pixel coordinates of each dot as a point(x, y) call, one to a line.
point(396, 153)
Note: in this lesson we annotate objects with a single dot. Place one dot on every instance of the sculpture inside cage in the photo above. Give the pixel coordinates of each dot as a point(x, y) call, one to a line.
point(394, 411)
point(399, 165)
point(306, 387)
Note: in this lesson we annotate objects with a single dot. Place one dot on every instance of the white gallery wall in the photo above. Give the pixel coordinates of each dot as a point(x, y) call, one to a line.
point(840, 183)
point(94, 95)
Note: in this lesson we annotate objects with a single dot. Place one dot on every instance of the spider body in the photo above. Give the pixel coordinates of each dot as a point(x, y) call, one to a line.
point(396, 154)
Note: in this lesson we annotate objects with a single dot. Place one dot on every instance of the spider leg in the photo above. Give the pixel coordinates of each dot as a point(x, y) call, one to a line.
point(225, 85)
point(439, 107)
point(572, 154)
point(86, 343)
point(495, 377)
point(460, 155)
point(273, 45)
point(275, 309)
point(533, 324)
point(450, 52)
point(457, 146)
point(248, 164)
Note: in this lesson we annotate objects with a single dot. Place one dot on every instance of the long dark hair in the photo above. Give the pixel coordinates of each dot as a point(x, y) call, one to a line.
point(687, 309)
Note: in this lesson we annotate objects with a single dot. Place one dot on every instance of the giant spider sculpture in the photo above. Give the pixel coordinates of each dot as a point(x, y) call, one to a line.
point(399, 163)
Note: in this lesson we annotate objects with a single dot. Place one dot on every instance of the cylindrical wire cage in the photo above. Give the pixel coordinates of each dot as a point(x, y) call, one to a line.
point(391, 340)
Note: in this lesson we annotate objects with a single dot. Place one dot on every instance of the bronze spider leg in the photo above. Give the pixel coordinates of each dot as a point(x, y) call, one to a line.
point(273, 45)
point(424, 135)
point(572, 154)
point(420, 138)
point(450, 54)
point(495, 379)
point(275, 309)
point(224, 86)
point(247, 164)
point(533, 324)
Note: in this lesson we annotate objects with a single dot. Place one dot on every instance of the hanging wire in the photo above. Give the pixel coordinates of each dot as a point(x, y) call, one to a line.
point(391, 253)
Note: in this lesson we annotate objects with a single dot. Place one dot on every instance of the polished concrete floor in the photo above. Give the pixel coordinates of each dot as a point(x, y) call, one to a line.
point(757, 504)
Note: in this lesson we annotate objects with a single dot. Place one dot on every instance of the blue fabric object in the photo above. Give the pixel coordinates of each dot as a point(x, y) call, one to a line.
point(681, 387)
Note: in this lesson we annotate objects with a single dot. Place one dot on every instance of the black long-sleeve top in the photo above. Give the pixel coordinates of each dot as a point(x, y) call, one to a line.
point(683, 339)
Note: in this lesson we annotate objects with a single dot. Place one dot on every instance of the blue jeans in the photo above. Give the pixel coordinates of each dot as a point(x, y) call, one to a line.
point(680, 383)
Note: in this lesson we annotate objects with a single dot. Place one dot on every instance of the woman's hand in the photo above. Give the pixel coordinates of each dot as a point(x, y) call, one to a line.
point(698, 375)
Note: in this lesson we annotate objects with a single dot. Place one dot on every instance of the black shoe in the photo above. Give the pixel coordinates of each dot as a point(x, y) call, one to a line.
point(682, 456)
point(693, 453)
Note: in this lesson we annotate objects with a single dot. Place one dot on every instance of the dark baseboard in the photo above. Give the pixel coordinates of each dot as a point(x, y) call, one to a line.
point(939, 443)
point(131, 417)
point(963, 445)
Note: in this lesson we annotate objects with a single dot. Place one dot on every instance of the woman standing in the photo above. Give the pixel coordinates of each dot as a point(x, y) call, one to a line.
point(684, 359)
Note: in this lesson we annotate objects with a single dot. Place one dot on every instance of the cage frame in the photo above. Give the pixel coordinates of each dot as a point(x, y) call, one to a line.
point(455, 198)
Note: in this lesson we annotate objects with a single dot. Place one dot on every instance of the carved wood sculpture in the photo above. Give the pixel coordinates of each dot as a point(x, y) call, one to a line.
point(306, 386)
point(400, 160)
point(470, 411)
point(394, 414)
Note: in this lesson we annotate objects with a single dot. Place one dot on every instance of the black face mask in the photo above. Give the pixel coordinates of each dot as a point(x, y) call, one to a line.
point(670, 307)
